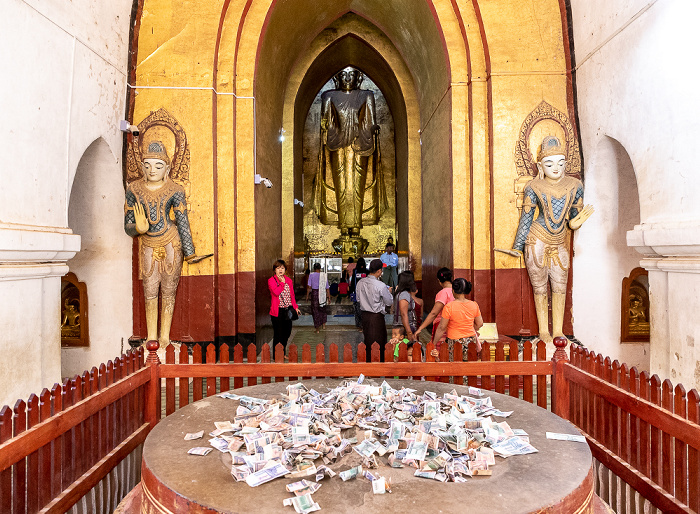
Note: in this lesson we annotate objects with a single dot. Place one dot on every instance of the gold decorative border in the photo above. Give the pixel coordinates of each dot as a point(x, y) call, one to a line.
point(524, 161)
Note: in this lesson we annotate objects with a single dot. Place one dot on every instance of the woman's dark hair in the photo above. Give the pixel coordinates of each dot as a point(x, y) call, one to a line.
point(350, 260)
point(461, 286)
point(406, 283)
point(361, 265)
point(317, 265)
point(444, 275)
point(279, 263)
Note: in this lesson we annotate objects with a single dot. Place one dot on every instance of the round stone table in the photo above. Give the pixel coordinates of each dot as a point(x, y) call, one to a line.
point(559, 478)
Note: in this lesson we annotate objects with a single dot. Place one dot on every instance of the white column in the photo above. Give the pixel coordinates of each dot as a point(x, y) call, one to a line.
point(32, 262)
point(672, 256)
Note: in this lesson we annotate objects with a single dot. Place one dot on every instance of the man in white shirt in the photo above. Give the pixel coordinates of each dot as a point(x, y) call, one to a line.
point(373, 296)
point(390, 260)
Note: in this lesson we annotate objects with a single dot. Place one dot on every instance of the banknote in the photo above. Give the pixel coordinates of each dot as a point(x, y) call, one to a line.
point(220, 444)
point(224, 426)
point(302, 504)
point(379, 485)
point(195, 435)
point(304, 469)
point(566, 437)
point(417, 450)
point(297, 486)
point(276, 470)
point(199, 450)
point(394, 462)
point(350, 473)
point(366, 448)
point(240, 473)
point(513, 446)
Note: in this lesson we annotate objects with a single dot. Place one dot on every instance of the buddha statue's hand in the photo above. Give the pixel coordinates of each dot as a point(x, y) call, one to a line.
point(140, 218)
point(582, 216)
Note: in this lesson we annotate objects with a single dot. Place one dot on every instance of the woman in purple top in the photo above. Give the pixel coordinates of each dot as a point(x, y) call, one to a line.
point(317, 288)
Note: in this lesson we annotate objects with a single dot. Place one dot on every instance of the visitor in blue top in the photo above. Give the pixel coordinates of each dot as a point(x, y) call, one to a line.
point(390, 275)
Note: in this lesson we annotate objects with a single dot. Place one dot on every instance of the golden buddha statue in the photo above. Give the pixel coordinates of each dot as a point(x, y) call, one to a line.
point(544, 240)
point(349, 158)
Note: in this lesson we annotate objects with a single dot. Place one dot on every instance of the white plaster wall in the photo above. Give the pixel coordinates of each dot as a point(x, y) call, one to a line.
point(63, 86)
point(636, 82)
point(95, 212)
point(602, 256)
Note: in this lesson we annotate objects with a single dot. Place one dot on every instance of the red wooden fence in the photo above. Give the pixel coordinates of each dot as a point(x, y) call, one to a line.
point(57, 446)
point(60, 444)
point(645, 431)
point(185, 382)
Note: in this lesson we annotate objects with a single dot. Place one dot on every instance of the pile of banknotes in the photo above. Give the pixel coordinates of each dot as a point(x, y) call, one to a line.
point(305, 433)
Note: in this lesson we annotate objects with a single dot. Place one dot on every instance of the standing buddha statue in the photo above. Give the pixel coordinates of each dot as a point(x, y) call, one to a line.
point(349, 153)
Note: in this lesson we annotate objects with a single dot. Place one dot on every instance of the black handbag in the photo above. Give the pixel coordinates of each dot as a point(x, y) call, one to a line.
point(292, 314)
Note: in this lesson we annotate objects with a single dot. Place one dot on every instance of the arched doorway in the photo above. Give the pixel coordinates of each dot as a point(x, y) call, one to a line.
point(601, 251)
point(103, 264)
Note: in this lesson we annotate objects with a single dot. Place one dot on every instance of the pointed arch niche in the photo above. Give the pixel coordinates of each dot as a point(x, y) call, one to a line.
point(353, 41)
point(103, 264)
point(603, 258)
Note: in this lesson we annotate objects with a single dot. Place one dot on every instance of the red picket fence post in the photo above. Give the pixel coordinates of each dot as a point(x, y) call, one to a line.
point(153, 387)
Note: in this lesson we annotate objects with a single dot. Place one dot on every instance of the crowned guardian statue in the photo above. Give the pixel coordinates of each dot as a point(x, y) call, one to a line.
point(163, 243)
point(544, 239)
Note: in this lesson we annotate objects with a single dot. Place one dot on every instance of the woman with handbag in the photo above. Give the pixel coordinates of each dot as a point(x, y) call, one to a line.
point(283, 308)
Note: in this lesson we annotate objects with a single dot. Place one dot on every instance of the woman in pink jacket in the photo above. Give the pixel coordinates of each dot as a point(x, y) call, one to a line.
point(283, 306)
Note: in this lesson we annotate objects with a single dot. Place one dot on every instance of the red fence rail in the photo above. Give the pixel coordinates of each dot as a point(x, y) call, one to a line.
point(518, 375)
point(57, 446)
point(645, 431)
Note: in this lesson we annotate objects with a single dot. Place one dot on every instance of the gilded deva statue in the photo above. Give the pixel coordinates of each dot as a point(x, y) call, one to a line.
point(162, 242)
point(544, 240)
point(349, 152)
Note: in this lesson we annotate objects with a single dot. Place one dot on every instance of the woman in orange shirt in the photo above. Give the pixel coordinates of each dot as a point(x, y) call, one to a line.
point(461, 319)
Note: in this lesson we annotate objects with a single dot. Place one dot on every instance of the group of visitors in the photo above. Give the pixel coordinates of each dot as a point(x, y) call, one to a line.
point(454, 319)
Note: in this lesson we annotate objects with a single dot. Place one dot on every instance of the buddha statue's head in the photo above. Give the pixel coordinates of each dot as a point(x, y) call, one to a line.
point(348, 79)
point(551, 159)
point(156, 163)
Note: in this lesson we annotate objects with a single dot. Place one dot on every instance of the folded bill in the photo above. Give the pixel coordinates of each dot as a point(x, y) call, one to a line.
point(199, 450)
point(195, 435)
point(566, 437)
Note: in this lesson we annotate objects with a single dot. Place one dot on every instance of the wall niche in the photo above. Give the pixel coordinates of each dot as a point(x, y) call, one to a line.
point(635, 307)
point(74, 315)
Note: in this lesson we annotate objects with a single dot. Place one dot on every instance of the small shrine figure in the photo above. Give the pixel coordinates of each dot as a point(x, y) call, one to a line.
point(162, 242)
point(544, 240)
point(70, 324)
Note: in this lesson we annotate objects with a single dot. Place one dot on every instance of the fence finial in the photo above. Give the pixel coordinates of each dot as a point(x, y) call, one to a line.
point(560, 352)
point(152, 346)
